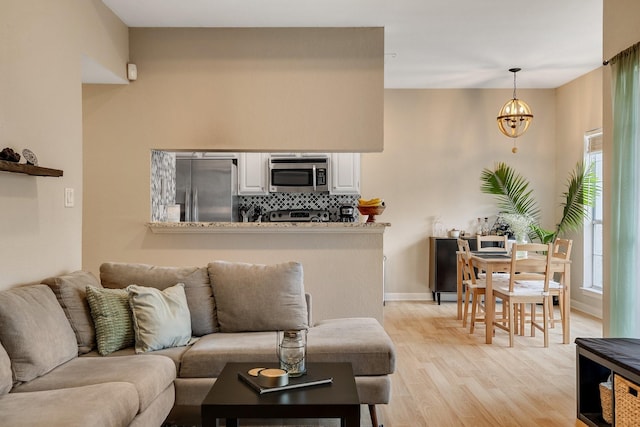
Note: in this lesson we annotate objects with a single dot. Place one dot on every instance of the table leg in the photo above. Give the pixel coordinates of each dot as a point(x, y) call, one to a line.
point(352, 419)
point(489, 307)
point(459, 284)
point(566, 305)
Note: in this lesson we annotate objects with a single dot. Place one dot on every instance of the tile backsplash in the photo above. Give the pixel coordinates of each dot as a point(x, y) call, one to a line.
point(292, 201)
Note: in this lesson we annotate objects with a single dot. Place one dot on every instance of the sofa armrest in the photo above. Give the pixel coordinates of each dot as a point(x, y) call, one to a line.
point(309, 317)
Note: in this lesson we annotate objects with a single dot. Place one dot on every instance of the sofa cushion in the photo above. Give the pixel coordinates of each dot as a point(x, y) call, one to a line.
point(173, 353)
point(207, 357)
point(70, 290)
point(160, 318)
point(34, 331)
point(6, 377)
point(255, 297)
point(112, 318)
point(149, 374)
point(196, 287)
point(72, 407)
point(359, 340)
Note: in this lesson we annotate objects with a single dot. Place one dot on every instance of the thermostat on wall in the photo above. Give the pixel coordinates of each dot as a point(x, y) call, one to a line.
point(132, 72)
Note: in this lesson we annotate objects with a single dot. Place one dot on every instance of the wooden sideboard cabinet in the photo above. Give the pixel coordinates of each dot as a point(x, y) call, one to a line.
point(596, 359)
point(442, 264)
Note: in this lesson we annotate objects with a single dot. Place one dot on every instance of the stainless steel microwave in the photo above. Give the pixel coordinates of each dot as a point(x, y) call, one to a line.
point(299, 175)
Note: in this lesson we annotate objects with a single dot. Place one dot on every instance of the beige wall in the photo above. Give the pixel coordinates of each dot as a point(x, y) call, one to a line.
point(579, 109)
point(239, 89)
point(436, 144)
point(621, 28)
point(263, 89)
point(41, 45)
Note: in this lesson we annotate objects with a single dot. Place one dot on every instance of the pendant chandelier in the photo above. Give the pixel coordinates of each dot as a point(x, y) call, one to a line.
point(515, 116)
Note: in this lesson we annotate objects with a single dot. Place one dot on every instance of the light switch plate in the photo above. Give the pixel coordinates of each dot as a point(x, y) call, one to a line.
point(69, 198)
point(132, 72)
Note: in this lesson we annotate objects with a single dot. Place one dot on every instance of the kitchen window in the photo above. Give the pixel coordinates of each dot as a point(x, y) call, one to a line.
point(593, 236)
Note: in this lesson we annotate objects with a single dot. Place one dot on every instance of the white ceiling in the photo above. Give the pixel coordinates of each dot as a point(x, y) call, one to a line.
point(428, 43)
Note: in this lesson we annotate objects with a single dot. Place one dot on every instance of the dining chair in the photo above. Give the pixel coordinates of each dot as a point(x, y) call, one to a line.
point(528, 283)
point(491, 240)
point(488, 243)
point(474, 286)
point(561, 250)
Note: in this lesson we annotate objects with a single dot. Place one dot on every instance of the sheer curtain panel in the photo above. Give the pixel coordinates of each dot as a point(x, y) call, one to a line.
point(625, 195)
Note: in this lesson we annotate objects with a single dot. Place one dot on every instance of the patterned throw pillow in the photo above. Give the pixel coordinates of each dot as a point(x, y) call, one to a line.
point(112, 318)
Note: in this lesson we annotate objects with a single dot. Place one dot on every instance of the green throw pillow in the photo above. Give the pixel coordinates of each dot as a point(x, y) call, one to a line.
point(161, 319)
point(112, 318)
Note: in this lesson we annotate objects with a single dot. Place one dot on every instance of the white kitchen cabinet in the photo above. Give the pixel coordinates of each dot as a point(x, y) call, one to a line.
point(345, 173)
point(253, 169)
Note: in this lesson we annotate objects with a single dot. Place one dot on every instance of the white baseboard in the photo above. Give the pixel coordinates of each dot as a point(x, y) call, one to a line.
point(408, 296)
point(587, 308)
point(450, 296)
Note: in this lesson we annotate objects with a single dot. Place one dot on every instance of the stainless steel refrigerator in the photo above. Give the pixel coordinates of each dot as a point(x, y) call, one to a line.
point(207, 190)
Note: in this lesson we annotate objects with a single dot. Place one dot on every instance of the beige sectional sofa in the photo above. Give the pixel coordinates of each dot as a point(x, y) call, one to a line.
point(63, 365)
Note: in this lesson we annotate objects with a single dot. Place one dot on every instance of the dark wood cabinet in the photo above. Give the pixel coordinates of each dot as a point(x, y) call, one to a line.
point(442, 264)
point(597, 359)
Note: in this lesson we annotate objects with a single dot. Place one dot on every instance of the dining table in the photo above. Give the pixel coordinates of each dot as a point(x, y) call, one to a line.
point(494, 262)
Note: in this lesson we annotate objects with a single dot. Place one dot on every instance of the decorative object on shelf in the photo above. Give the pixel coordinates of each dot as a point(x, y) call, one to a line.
point(371, 207)
point(485, 229)
point(30, 157)
point(437, 229)
point(454, 233)
point(9, 155)
point(606, 400)
point(514, 118)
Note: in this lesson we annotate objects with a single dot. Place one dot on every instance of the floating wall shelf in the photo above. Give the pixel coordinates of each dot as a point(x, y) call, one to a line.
point(28, 169)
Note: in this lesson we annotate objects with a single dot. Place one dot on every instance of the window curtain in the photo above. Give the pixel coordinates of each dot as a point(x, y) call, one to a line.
point(625, 196)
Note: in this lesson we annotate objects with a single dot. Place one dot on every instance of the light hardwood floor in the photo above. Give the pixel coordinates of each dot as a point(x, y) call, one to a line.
point(447, 377)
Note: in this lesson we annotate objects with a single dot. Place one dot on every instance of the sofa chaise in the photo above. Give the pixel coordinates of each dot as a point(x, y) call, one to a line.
point(66, 346)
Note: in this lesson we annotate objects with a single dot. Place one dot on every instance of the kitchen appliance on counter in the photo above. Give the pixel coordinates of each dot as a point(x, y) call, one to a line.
point(206, 190)
point(347, 213)
point(299, 215)
point(298, 175)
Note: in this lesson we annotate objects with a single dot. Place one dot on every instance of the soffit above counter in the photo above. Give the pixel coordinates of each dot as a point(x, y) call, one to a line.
point(267, 227)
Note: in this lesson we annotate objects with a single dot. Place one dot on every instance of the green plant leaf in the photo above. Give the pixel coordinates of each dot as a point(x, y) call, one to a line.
point(514, 196)
point(511, 189)
point(582, 190)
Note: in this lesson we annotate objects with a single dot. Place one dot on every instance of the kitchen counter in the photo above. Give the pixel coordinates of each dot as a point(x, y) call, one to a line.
point(268, 227)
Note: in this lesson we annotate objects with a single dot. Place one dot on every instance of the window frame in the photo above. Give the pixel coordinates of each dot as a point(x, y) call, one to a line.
point(593, 147)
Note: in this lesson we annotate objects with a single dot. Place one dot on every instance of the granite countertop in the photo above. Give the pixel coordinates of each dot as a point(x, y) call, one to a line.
point(268, 227)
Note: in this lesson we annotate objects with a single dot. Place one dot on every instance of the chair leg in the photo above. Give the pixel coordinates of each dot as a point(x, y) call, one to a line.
point(466, 307)
point(523, 315)
point(552, 321)
point(374, 415)
point(545, 319)
point(474, 311)
point(534, 313)
point(511, 308)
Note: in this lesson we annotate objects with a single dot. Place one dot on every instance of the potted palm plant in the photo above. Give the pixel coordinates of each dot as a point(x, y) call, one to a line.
point(515, 197)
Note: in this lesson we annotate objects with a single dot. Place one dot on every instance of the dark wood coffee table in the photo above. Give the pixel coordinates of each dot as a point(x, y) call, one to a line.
point(230, 398)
